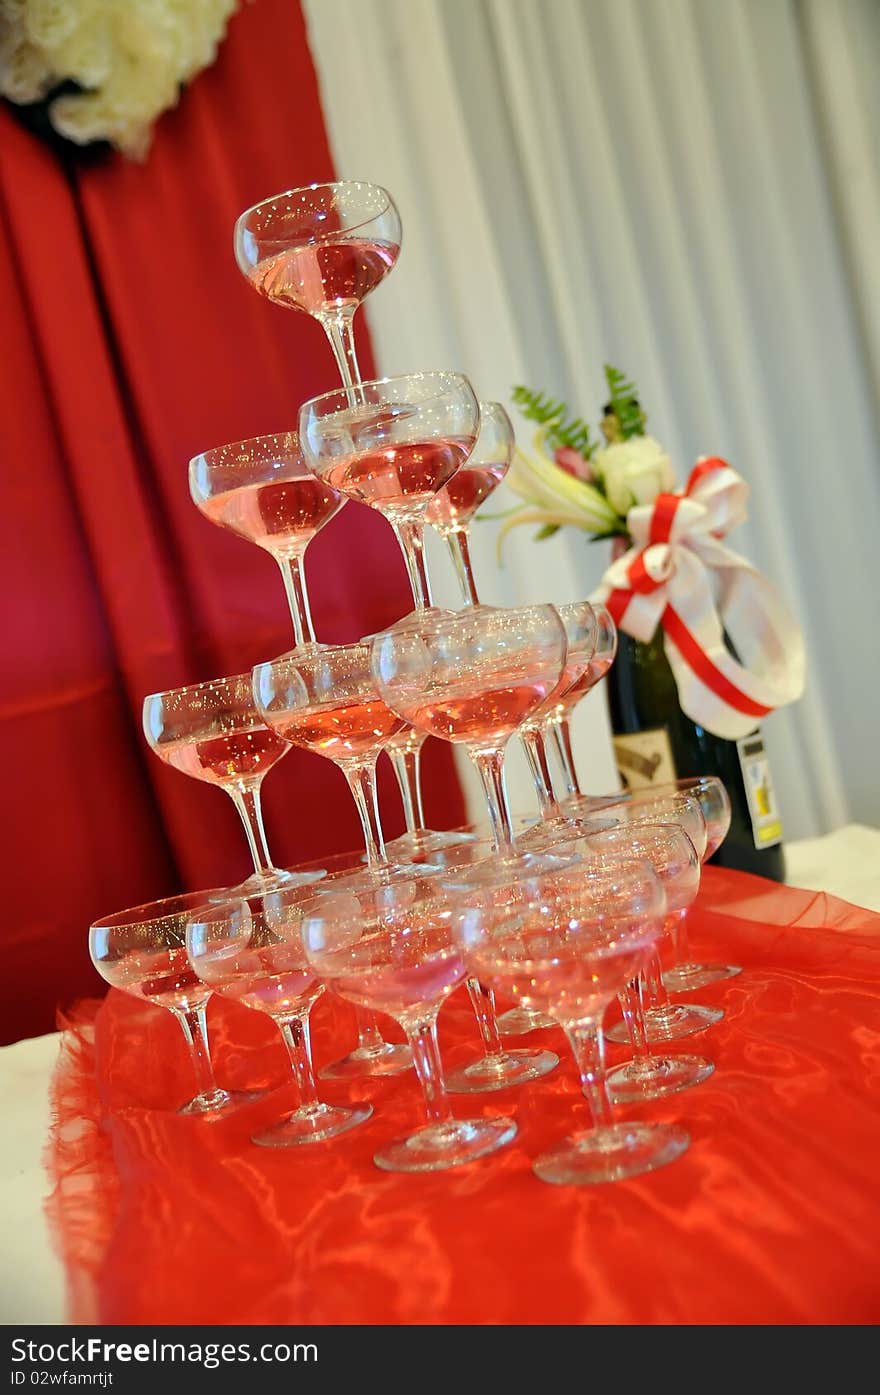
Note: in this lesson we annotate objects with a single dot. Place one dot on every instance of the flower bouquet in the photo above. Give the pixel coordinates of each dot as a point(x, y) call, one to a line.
point(707, 646)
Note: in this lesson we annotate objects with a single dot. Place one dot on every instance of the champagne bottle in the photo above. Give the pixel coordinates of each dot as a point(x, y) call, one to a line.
point(655, 742)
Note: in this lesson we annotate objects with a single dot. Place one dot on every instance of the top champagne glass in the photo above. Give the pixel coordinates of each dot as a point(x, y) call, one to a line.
point(321, 249)
point(393, 444)
point(263, 490)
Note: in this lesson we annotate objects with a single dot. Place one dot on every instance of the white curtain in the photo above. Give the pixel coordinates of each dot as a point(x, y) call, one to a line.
point(689, 190)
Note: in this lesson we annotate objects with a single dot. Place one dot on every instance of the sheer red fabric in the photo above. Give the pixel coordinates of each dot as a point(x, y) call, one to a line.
point(773, 1215)
point(131, 343)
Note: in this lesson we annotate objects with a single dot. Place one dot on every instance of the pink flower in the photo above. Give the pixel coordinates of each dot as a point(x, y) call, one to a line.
point(573, 463)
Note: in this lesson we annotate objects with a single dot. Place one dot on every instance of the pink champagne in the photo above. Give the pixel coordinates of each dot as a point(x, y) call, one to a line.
point(458, 501)
point(556, 969)
point(590, 675)
point(397, 991)
point(231, 758)
point(414, 967)
point(163, 976)
point(556, 704)
point(320, 277)
point(485, 714)
point(341, 731)
point(281, 516)
point(274, 980)
point(403, 476)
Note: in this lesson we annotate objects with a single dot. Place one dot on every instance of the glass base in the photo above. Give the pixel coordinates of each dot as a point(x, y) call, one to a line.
point(368, 878)
point(451, 1144)
point(311, 1124)
point(562, 828)
point(409, 847)
point(662, 1075)
point(220, 1101)
point(500, 1072)
point(516, 1022)
point(393, 1058)
point(610, 1154)
point(684, 978)
point(261, 883)
point(668, 1024)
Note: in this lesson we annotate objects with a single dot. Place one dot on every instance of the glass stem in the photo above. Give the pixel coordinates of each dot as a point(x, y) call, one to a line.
point(406, 763)
point(459, 547)
point(536, 755)
point(680, 941)
point(630, 999)
point(588, 1047)
point(362, 783)
point(410, 535)
point(562, 733)
point(293, 572)
point(370, 1037)
point(422, 1039)
point(339, 329)
point(296, 1037)
point(246, 799)
point(483, 1003)
point(653, 988)
point(490, 766)
point(195, 1029)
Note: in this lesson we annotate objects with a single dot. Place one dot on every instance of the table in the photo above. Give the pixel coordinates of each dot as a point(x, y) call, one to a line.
point(845, 863)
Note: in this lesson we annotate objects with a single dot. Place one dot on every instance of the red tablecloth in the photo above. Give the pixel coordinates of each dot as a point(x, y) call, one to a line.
point(773, 1216)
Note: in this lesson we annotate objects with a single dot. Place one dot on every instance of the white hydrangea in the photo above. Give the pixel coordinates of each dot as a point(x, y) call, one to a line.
point(130, 58)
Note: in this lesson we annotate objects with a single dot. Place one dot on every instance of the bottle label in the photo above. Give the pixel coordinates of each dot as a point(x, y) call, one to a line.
point(644, 758)
point(766, 823)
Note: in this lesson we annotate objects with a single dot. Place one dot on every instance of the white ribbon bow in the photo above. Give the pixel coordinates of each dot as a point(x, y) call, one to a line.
point(679, 574)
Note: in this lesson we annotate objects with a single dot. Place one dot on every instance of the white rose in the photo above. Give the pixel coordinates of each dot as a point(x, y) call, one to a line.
point(633, 472)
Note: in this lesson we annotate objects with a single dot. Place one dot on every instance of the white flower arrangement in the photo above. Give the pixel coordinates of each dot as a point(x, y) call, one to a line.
point(129, 57)
point(568, 479)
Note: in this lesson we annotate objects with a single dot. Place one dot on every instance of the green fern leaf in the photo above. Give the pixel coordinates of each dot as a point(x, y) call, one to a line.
point(562, 430)
point(624, 402)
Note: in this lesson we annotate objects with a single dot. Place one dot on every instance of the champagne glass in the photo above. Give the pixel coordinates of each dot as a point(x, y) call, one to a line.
point(213, 732)
point(559, 722)
point(572, 941)
point(581, 633)
point(240, 951)
point(715, 804)
point(322, 250)
point(142, 951)
point(579, 622)
point(263, 490)
point(326, 700)
point(667, 849)
point(450, 512)
point(642, 806)
point(665, 1021)
point(404, 750)
point(390, 949)
point(394, 444)
point(472, 678)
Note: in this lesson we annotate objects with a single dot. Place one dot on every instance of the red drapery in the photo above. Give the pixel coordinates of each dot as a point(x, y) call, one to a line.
point(131, 343)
